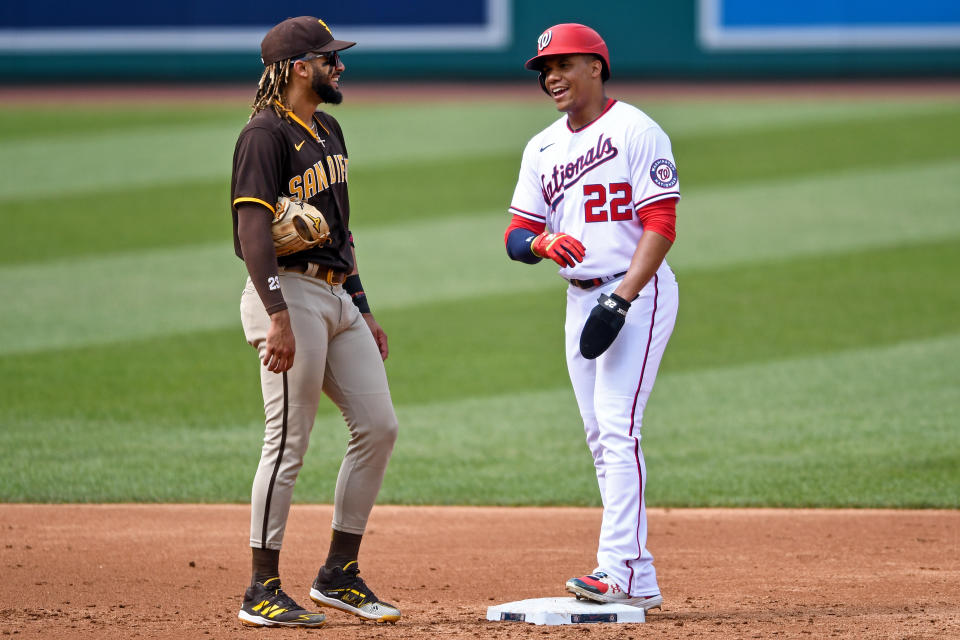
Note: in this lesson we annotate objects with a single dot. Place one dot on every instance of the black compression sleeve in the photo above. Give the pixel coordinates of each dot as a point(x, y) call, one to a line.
point(256, 244)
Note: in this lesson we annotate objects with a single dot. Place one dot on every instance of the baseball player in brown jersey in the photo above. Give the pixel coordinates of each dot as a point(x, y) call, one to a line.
point(308, 318)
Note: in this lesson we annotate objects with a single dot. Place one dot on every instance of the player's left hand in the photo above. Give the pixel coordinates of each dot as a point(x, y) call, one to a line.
point(603, 325)
point(562, 248)
point(379, 335)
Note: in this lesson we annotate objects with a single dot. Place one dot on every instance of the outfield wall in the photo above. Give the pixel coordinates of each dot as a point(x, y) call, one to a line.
point(218, 40)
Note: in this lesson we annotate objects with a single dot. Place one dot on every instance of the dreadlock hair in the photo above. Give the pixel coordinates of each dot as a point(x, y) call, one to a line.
point(273, 84)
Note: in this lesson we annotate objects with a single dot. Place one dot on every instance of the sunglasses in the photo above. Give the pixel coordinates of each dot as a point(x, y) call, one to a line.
point(331, 58)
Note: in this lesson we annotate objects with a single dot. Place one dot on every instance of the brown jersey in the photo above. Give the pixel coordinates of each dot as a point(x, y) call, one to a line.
point(281, 156)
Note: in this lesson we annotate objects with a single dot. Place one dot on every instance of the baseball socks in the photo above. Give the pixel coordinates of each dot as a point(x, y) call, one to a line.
point(344, 548)
point(266, 565)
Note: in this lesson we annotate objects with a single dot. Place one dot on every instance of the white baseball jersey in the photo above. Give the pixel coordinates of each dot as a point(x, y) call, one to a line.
point(590, 182)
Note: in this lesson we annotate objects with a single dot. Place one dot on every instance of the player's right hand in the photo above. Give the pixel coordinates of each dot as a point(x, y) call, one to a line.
point(563, 249)
point(281, 345)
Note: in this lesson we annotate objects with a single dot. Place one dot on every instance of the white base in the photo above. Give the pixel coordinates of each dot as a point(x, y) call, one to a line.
point(553, 611)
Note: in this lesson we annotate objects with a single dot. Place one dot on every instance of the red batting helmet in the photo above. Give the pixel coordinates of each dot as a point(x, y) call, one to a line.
point(570, 38)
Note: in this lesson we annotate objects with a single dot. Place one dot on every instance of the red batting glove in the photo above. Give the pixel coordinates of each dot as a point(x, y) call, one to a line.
point(565, 250)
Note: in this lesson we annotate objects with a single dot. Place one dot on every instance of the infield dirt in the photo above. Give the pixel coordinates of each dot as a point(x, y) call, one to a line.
point(178, 571)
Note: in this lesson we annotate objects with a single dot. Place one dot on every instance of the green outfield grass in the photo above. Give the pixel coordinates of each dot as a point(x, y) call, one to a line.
point(815, 362)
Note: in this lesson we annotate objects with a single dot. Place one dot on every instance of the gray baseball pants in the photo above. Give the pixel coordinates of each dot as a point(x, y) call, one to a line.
point(335, 355)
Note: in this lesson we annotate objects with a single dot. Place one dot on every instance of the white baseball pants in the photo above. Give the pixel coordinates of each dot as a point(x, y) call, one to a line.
point(612, 392)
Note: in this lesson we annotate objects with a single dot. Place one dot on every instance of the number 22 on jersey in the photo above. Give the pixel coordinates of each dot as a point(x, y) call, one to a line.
point(619, 196)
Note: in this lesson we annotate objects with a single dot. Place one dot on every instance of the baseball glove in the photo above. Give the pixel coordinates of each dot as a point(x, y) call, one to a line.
point(298, 226)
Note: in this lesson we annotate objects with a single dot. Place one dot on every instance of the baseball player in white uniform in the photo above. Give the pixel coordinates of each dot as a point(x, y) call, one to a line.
point(597, 194)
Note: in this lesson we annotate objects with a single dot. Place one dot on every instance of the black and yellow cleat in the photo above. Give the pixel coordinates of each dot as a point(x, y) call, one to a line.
point(266, 605)
point(344, 589)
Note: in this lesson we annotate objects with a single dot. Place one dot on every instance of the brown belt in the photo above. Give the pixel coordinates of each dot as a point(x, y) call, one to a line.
point(595, 282)
point(314, 270)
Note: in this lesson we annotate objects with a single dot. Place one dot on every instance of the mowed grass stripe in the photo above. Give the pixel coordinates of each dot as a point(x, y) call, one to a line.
point(874, 427)
point(211, 377)
point(40, 122)
point(72, 460)
point(754, 313)
point(91, 164)
point(167, 155)
point(156, 210)
point(729, 114)
point(203, 378)
point(48, 123)
point(100, 301)
point(793, 217)
point(499, 343)
point(374, 129)
point(118, 221)
point(820, 149)
point(813, 305)
point(127, 296)
point(176, 152)
point(194, 288)
point(753, 435)
point(136, 217)
point(717, 225)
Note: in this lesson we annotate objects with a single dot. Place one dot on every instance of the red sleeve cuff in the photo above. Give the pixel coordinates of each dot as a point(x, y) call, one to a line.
point(661, 217)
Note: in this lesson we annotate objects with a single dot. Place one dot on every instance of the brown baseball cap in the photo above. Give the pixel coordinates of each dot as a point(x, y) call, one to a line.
point(297, 36)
